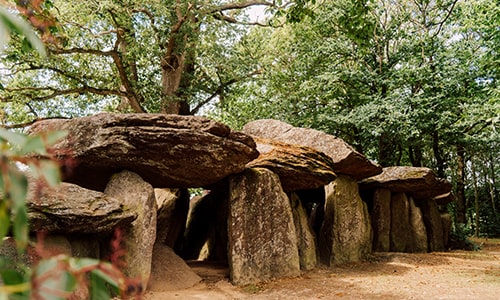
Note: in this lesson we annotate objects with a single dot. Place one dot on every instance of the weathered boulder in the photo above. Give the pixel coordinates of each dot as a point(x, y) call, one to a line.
point(262, 241)
point(447, 223)
point(418, 182)
point(314, 203)
point(72, 209)
point(139, 196)
point(217, 234)
point(400, 223)
point(207, 225)
point(346, 234)
point(346, 160)
point(165, 150)
point(305, 236)
point(16, 258)
point(173, 206)
point(170, 272)
point(381, 220)
point(418, 232)
point(299, 168)
point(201, 216)
point(444, 198)
point(433, 224)
point(88, 245)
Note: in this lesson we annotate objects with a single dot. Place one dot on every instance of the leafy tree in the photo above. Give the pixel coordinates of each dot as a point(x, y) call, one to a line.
point(142, 56)
point(52, 277)
point(405, 82)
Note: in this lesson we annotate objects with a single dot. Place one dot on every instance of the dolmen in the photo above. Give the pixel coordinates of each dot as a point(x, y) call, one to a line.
point(271, 201)
point(405, 214)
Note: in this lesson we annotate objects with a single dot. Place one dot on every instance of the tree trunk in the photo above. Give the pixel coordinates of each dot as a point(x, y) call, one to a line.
point(492, 183)
point(415, 153)
point(178, 62)
point(460, 212)
point(127, 70)
point(171, 75)
point(437, 154)
point(476, 199)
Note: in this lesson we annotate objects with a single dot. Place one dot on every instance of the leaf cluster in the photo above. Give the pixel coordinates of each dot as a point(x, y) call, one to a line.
point(378, 74)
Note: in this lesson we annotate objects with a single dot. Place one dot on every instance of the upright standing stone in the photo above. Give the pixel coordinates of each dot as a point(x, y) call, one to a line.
point(305, 236)
point(139, 196)
point(173, 206)
point(346, 234)
point(262, 240)
point(400, 222)
point(207, 226)
point(417, 226)
point(381, 220)
point(434, 225)
point(446, 221)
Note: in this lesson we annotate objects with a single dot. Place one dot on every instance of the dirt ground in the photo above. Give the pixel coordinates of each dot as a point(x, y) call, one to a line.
point(438, 275)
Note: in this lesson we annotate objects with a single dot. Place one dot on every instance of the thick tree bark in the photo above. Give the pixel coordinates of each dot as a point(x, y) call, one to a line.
point(172, 72)
point(461, 207)
point(490, 182)
point(494, 191)
point(177, 63)
point(476, 199)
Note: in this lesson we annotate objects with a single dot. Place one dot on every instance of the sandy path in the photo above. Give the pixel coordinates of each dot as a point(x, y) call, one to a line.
point(440, 275)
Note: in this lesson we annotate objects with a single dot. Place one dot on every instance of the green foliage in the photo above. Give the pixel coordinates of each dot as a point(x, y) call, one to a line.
point(405, 82)
point(9, 23)
point(299, 10)
point(53, 277)
point(385, 77)
point(108, 52)
point(13, 183)
point(460, 238)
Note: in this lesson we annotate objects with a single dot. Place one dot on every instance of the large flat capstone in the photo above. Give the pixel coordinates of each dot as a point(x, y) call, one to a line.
point(418, 182)
point(346, 160)
point(299, 167)
point(167, 151)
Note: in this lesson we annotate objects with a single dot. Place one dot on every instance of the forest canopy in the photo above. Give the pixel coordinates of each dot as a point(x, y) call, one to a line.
point(406, 82)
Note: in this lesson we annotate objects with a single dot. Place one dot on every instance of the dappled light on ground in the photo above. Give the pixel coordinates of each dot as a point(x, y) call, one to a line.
point(439, 275)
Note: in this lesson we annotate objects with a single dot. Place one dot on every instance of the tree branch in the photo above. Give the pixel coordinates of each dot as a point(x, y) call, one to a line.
point(80, 90)
point(241, 5)
point(33, 67)
point(448, 14)
point(175, 29)
point(84, 28)
point(29, 123)
point(82, 51)
point(220, 90)
point(222, 17)
point(152, 20)
point(129, 93)
point(56, 92)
